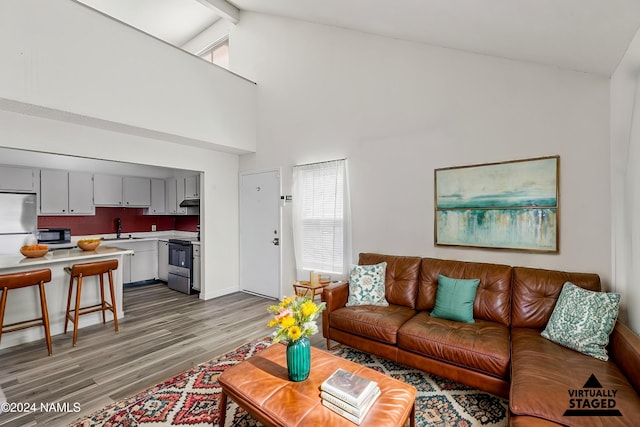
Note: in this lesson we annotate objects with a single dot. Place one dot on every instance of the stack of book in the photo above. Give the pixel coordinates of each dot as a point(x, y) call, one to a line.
point(349, 395)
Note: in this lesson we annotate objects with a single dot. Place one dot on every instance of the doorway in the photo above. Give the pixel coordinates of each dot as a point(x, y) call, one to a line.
point(260, 233)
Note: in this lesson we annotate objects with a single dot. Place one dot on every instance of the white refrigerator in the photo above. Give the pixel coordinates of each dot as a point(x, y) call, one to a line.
point(18, 222)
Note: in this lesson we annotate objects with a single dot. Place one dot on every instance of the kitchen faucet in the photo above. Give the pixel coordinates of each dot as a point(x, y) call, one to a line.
point(118, 227)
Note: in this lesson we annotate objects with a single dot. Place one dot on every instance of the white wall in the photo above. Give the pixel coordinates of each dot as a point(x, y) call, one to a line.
point(398, 110)
point(66, 56)
point(219, 212)
point(625, 187)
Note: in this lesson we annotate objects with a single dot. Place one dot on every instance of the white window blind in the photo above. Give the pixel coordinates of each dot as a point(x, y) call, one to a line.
point(319, 217)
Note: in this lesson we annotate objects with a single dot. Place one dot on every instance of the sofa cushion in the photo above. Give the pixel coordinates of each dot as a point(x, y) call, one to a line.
point(454, 299)
point(582, 320)
point(482, 346)
point(536, 291)
point(375, 322)
point(545, 377)
point(493, 296)
point(366, 285)
point(401, 281)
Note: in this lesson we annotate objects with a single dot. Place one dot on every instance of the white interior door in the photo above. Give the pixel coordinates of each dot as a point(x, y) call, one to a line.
point(260, 233)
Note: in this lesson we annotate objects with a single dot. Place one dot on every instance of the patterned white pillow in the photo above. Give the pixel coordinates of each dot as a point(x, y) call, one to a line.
point(582, 320)
point(366, 285)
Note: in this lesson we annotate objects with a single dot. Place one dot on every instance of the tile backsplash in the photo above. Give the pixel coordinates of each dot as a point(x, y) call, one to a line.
point(104, 222)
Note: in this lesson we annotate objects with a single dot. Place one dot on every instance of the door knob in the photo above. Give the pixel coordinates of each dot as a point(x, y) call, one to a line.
point(276, 241)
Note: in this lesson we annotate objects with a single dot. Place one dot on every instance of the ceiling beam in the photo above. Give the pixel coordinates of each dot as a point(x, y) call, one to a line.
point(226, 10)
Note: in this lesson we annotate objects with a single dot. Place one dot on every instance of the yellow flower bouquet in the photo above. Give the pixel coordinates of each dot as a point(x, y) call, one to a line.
point(295, 318)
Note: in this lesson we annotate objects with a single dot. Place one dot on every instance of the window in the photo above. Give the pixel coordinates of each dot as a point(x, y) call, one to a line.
point(320, 218)
point(218, 54)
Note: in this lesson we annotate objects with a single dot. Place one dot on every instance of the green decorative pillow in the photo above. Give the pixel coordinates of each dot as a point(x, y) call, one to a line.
point(366, 285)
point(454, 299)
point(582, 320)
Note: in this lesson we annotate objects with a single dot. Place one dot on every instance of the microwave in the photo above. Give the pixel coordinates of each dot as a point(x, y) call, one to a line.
point(54, 235)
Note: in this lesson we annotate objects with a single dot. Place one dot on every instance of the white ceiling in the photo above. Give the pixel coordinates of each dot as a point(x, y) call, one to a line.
point(582, 35)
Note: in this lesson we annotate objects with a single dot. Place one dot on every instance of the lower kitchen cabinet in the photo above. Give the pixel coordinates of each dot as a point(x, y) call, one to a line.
point(196, 267)
point(143, 264)
point(163, 260)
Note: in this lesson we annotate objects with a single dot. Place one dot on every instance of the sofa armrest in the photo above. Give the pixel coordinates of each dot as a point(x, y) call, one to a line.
point(334, 296)
point(624, 348)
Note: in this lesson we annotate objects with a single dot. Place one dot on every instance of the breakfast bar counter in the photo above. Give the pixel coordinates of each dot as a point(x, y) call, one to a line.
point(24, 303)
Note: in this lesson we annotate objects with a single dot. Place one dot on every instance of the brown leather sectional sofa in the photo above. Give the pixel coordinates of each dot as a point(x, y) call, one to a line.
point(502, 352)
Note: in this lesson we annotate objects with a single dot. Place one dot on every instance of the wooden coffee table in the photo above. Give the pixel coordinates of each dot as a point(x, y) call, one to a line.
point(261, 386)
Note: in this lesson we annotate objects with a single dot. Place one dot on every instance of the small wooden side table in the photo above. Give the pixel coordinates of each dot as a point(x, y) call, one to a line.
point(306, 289)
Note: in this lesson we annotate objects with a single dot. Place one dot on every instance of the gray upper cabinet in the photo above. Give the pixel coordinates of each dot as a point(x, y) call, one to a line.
point(137, 191)
point(81, 193)
point(17, 179)
point(66, 193)
point(107, 190)
point(54, 192)
point(192, 187)
point(172, 196)
point(158, 197)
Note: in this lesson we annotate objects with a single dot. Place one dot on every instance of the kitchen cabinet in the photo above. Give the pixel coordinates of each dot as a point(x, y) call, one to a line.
point(158, 197)
point(163, 260)
point(136, 191)
point(17, 179)
point(172, 196)
point(54, 192)
point(126, 268)
point(175, 195)
point(196, 267)
point(143, 264)
point(192, 187)
point(180, 190)
point(107, 190)
point(81, 193)
point(66, 193)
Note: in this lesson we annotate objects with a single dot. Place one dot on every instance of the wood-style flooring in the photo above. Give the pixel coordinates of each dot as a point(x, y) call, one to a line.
point(162, 334)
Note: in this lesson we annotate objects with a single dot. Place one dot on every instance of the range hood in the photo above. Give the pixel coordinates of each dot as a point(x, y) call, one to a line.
point(190, 203)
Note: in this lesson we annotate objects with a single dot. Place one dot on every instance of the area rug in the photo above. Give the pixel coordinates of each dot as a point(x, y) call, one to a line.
point(192, 398)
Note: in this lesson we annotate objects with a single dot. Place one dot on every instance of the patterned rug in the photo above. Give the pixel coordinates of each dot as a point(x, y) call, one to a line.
point(191, 398)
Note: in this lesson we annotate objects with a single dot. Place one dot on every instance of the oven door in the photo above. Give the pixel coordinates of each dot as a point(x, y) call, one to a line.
point(180, 255)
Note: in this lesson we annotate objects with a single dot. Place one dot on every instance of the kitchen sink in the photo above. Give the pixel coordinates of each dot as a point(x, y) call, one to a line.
point(115, 239)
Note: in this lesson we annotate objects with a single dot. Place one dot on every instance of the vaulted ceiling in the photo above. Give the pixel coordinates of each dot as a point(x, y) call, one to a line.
point(583, 35)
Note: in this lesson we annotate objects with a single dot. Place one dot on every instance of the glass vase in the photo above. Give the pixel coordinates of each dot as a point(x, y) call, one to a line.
point(299, 359)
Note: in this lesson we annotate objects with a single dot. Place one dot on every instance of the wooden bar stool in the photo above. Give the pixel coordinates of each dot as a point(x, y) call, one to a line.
point(80, 271)
point(23, 280)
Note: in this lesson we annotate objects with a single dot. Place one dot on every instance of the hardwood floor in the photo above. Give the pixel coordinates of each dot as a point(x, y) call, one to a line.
point(162, 334)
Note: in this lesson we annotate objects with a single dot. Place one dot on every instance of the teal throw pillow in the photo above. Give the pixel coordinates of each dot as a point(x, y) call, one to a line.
point(582, 320)
point(366, 285)
point(454, 299)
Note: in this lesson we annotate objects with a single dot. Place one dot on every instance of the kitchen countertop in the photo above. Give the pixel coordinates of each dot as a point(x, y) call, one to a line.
point(138, 236)
point(59, 255)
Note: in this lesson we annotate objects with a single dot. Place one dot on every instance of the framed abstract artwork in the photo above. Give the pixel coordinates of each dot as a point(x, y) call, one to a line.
point(506, 205)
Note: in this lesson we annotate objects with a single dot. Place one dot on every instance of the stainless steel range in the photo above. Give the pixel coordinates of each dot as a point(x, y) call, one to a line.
point(181, 266)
